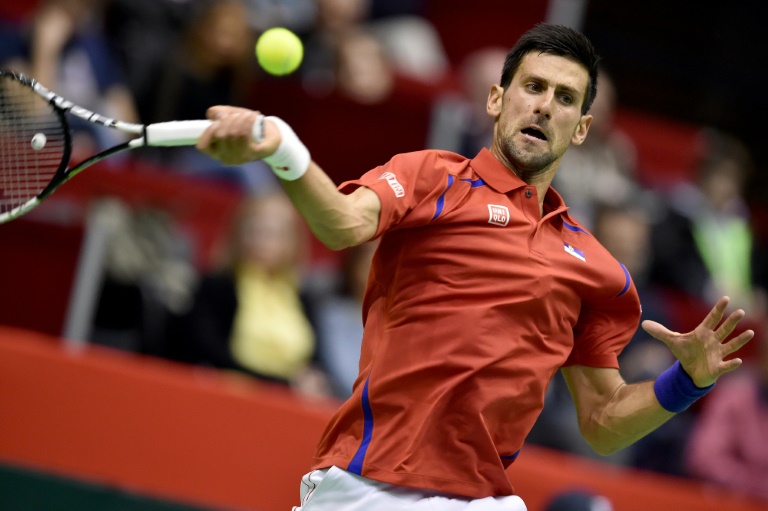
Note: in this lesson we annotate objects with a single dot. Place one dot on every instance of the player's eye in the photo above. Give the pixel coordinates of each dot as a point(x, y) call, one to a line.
point(534, 87)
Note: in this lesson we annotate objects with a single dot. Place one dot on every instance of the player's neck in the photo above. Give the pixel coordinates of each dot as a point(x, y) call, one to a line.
point(541, 181)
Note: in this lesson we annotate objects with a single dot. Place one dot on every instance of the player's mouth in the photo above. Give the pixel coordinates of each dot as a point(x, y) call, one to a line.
point(534, 132)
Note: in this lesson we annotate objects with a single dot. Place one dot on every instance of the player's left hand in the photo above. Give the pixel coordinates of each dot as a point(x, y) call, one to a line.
point(702, 352)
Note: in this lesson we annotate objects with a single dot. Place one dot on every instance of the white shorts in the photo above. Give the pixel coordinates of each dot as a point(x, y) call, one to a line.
point(334, 489)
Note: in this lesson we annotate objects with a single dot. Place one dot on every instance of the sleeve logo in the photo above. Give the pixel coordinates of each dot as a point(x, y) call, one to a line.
point(498, 215)
point(394, 184)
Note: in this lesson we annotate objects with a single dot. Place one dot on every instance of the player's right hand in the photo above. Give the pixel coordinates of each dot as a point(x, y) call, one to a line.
point(229, 139)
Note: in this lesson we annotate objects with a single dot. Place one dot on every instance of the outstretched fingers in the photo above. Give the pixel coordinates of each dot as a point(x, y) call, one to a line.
point(732, 346)
point(658, 331)
point(737, 342)
point(716, 314)
point(729, 325)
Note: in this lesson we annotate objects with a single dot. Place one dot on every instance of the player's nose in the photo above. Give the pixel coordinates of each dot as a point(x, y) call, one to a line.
point(543, 105)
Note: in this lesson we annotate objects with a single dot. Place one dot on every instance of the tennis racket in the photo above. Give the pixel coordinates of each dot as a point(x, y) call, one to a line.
point(36, 141)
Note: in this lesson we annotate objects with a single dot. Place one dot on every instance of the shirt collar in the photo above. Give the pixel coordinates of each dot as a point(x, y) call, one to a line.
point(496, 175)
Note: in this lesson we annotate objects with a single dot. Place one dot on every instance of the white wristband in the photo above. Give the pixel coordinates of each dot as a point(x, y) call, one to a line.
point(291, 160)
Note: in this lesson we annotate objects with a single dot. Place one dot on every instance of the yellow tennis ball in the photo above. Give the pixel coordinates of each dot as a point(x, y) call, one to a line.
point(279, 51)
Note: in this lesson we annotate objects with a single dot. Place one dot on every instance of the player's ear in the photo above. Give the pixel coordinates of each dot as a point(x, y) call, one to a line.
point(580, 134)
point(495, 96)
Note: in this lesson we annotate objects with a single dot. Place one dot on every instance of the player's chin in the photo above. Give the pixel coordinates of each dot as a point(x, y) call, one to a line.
point(531, 162)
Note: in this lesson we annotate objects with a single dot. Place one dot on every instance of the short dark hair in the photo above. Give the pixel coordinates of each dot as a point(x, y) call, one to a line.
point(556, 40)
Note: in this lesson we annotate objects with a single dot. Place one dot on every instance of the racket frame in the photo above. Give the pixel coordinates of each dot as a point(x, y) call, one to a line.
point(162, 134)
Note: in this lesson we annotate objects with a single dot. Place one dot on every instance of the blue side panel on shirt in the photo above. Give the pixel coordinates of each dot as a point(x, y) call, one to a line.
point(508, 460)
point(356, 465)
point(511, 456)
point(627, 281)
point(474, 184)
point(574, 228)
point(441, 200)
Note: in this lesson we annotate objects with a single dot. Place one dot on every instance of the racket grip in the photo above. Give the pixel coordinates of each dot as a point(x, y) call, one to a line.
point(175, 133)
point(187, 133)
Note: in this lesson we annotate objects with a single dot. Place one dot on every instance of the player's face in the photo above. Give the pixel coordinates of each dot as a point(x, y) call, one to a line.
point(539, 115)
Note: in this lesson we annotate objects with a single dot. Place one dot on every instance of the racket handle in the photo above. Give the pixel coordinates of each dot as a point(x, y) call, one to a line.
point(186, 133)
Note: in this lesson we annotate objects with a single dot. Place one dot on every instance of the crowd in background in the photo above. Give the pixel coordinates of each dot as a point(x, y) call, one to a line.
point(376, 80)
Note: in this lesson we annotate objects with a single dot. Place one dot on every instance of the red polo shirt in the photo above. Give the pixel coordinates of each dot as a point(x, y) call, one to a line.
point(474, 301)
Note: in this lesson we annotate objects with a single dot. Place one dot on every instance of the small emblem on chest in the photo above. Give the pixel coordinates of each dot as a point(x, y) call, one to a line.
point(575, 252)
point(498, 215)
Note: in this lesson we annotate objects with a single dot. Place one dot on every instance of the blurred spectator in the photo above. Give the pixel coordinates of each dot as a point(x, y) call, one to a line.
point(249, 315)
point(333, 19)
point(704, 244)
point(386, 8)
point(143, 34)
point(295, 15)
point(460, 122)
point(411, 45)
point(728, 443)
point(338, 317)
point(363, 71)
point(211, 64)
point(601, 171)
point(414, 46)
point(146, 279)
point(578, 500)
point(65, 48)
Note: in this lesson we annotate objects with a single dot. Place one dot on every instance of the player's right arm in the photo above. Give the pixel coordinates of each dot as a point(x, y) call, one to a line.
point(336, 219)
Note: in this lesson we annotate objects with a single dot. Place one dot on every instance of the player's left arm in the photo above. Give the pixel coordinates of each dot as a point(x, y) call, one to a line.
point(613, 414)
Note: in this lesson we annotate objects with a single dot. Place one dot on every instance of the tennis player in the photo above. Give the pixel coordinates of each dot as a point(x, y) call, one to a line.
point(483, 286)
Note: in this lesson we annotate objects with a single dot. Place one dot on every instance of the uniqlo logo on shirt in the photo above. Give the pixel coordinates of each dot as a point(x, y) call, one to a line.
point(394, 184)
point(498, 215)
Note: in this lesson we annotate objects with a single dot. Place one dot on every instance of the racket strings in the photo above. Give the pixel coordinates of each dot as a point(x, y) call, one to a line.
point(32, 144)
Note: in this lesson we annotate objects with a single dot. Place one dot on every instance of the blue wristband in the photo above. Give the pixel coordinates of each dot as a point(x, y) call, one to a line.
point(675, 390)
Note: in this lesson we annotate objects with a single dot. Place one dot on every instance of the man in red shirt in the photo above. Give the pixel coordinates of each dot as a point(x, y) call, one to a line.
point(482, 287)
